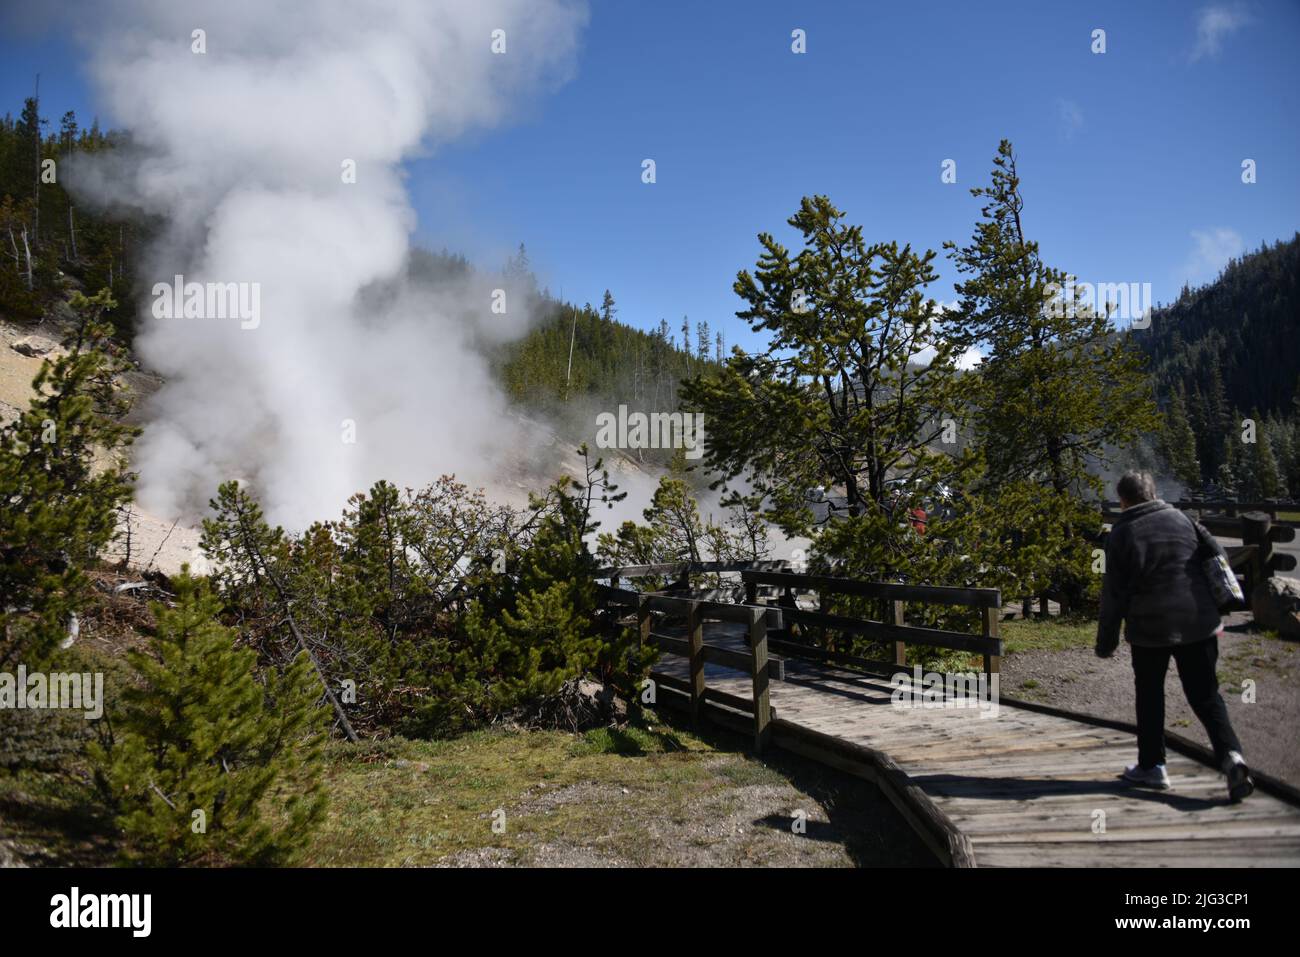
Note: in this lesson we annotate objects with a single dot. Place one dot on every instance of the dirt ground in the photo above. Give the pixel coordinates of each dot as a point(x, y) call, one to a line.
point(1269, 727)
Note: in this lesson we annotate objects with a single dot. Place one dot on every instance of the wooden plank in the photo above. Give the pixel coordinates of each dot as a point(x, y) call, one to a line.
point(1252, 852)
point(932, 824)
point(759, 678)
point(1033, 772)
point(695, 637)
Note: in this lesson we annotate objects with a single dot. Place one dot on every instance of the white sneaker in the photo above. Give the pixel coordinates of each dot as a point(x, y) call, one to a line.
point(1240, 784)
point(1157, 777)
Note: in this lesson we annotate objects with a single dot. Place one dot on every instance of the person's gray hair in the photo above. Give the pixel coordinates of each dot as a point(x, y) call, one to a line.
point(1136, 487)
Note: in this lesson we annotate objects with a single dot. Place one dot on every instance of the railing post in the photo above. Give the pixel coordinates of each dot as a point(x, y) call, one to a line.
point(992, 619)
point(758, 672)
point(684, 579)
point(644, 620)
point(695, 636)
point(900, 648)
point(1254, 531)
point(751, 593)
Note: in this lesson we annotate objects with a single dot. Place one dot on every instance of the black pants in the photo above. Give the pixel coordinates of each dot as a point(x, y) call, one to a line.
point(1201, 685)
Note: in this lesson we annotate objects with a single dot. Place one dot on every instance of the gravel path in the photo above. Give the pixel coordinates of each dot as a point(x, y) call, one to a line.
point(1269, 727)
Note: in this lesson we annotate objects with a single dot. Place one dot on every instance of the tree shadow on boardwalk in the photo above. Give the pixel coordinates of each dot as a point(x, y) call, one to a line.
point(1027, 789)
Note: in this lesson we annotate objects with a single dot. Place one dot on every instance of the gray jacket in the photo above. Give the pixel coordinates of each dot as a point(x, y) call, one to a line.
point(1153, 581)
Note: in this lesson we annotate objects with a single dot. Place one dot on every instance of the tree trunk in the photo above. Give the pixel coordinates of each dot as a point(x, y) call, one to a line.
point(28, 249)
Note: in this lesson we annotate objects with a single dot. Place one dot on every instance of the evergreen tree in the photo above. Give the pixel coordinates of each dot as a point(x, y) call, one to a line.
point(1266, 480)
point(1214, 423)
point(58, 505)
point(1178, 444)
point(207, 764)
point(1279, 431)
point(1226, 476)
point(838, 397)
point(1293, 477)
point(1057, 385)
point(536, 629)
point(607, 310)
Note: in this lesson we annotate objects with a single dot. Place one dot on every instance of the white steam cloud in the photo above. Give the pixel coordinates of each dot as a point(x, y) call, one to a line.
point(239, 150)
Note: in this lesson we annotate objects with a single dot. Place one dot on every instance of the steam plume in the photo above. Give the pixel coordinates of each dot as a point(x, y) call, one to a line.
point(240, 151)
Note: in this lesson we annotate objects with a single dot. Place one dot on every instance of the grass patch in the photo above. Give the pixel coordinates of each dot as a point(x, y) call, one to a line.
point(1048, 634)
point(649, 794)
point(652, 793)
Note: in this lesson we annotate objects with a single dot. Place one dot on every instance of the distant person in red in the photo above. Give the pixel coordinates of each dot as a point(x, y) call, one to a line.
point(917, 517)
point(1154, 585)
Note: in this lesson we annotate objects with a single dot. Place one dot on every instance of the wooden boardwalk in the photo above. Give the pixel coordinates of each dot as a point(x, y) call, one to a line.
point(1015, 788)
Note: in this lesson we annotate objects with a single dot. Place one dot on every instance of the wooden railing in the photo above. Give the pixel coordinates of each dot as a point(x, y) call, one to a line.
point(892, 627)
point(1227, 509)
point(895, 599)
point(652, 609)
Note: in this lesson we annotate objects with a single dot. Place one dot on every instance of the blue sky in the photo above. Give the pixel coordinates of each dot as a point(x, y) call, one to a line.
point(1130, 159)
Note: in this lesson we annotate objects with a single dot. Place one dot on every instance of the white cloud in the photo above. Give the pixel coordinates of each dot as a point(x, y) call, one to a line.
point(1070, 117)
point(1211, 251)
point(969, 359)
point(1213, 23)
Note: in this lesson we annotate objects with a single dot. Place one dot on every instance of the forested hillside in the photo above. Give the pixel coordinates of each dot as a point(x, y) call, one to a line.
point(611, 362)
point(1226, 352)
point(43, 232)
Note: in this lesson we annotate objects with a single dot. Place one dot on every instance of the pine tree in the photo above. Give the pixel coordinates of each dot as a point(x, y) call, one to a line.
point(63, 478)
point(1279, 431)
point(1215, 423)
point(207, 764)
point(1266, 479)
point(1178, 444)
point(1293, 477)
point(808, 411)
point(1226, 476)
point(536, 629)
point(607, 310)
point(1057, 386)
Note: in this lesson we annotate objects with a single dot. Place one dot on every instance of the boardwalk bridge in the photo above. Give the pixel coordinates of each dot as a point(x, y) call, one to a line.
point(1014, 784)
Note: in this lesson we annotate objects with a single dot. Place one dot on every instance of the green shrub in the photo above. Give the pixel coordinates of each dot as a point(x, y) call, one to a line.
point(205, 763)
